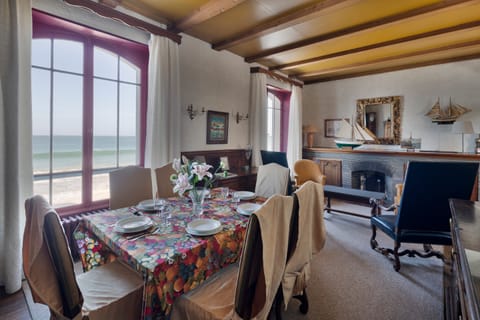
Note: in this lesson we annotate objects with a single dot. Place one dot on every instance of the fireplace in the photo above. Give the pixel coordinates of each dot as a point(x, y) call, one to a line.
point(368, 180)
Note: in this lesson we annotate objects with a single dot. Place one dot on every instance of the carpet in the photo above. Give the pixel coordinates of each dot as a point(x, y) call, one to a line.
point(352, 281)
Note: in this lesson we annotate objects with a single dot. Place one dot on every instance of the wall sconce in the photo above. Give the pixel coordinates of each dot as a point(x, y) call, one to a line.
point(238, 116)
point(192, 113)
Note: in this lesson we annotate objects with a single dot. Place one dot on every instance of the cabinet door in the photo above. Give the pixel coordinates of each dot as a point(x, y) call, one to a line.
point(332, 169)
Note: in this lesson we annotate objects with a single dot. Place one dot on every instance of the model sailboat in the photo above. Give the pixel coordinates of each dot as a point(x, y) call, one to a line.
point(447, 116)
point(352, 135)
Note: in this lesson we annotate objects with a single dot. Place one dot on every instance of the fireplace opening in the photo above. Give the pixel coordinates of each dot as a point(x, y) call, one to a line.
point(368, 180)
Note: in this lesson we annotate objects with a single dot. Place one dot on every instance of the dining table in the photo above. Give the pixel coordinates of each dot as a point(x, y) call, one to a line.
point(171, 258)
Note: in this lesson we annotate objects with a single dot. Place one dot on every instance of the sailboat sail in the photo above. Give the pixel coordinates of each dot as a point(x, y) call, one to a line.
point(447, 116)
point(352, 135)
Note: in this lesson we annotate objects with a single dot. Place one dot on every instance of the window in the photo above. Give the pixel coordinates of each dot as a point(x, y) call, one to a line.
point(277, 119)
point(88, 111)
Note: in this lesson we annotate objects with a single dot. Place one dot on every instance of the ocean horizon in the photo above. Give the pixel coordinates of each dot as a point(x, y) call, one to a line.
point(67, 152)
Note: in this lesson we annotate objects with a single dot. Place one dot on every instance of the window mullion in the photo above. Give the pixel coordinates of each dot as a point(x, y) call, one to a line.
point(87, 123)
point(118, 111)
point(50, 178)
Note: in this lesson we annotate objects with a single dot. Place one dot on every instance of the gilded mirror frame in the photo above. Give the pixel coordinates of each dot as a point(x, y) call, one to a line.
point(394, 101)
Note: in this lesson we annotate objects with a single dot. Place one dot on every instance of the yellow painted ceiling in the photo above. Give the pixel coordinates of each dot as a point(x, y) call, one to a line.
point(306, 29)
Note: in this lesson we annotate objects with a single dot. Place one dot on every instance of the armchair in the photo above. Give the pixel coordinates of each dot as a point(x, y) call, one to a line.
point(307, 170)
point(423, 215)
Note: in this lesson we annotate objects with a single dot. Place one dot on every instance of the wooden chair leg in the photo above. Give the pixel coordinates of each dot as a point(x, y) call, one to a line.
point(373, 242)
point(396, 266)
point(303, 301)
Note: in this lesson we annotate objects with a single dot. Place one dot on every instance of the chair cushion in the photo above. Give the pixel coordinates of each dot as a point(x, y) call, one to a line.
point(386, 223)
point(213, 299)
point(112, 291)
point(430, 237)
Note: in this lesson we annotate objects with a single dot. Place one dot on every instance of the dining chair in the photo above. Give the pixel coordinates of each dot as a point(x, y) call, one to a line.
point(246, 290)
point(423, 215)
point(129, 185)
point(280, 158)
point(111, 291)
point(164, 185)
point(272, 179)
point(307, 170)
point(311, 236)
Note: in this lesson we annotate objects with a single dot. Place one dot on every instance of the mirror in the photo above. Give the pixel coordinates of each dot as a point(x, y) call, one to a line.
point(382, 117)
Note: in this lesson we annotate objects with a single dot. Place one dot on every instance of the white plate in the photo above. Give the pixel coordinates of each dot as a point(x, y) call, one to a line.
point(245, 195)
point(248, 208)
point(204, 227)
point(146, 205)
point(133, 224)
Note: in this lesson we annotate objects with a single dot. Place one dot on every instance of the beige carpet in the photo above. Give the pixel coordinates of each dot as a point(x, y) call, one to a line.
point(351, 281)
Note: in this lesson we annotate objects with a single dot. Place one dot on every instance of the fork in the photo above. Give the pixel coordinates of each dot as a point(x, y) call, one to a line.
point(136, 237)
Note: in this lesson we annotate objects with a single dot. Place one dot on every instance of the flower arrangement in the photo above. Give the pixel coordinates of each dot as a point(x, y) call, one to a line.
point(190, 174)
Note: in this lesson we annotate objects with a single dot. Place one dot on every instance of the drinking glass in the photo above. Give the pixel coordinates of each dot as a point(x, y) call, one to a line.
point(235, 200)
point(224, 192)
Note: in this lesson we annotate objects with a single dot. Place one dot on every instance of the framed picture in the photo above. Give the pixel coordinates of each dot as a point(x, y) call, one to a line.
point(332, 127)
point(217, 127)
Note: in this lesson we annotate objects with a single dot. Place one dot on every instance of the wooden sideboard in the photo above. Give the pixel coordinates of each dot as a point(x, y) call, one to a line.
point(462, 292)
point(243, 176)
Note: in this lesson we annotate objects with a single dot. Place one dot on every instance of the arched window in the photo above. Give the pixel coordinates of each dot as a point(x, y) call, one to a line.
point(89, 94)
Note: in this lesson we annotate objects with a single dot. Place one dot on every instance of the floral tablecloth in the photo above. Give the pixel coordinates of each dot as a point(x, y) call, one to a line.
point(171, 261)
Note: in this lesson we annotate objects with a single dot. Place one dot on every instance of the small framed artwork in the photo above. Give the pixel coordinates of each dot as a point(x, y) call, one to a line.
point(332, 127)
point(217, 127)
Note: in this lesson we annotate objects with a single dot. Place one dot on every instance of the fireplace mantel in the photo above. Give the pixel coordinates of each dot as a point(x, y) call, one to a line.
point(390, 162)
point(397, 153)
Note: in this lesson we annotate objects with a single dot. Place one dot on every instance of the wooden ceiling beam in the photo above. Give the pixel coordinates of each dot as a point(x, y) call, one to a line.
point(205, 12)
point(386, 59)
point(357, 28)
point(419, 36)
point(282, 22)
point(131, 21)
point(110, 3)
point(390, 69)
point(277, 76)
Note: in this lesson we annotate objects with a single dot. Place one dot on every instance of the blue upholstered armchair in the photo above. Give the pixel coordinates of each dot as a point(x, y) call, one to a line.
point(423, 215)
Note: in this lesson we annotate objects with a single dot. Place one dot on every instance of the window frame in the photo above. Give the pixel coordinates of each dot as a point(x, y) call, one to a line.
point(284, 97)
point(46, 26)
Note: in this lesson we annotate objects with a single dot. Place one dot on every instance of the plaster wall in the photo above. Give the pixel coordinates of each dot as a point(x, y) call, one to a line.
point(420, 88)
point(214, 80)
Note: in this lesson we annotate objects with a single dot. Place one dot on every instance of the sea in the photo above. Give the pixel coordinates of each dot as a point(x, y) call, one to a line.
point(67, 152)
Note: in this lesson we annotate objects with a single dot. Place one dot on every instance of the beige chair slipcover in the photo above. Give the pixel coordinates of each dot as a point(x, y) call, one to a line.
point(164, 185)
point(112, 291)
point(307, 170)
point(215, 298)
point(129, 186)
point(272, 179)
point(311, 239)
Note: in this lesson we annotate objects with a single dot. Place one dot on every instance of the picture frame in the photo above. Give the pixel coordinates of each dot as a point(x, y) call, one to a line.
point(332, 127)
point(217, 127)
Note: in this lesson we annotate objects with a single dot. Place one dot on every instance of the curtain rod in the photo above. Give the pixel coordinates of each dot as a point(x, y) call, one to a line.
point(131, 21)
point(276, 76)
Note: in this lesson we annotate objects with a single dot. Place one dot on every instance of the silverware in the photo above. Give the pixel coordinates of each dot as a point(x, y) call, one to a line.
point(138, 236)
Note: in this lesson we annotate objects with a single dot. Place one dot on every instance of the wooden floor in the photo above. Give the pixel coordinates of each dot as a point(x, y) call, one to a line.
point(13, 306)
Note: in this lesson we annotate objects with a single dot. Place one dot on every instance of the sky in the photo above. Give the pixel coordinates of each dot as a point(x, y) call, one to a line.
point(68, 90)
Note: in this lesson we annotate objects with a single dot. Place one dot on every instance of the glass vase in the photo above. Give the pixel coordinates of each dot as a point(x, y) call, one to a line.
point(197, 195)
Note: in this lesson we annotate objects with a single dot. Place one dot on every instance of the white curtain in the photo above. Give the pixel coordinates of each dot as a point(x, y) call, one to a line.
point(163, 115)
point(15, 135)
point(258, 112)
point(294, 144)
